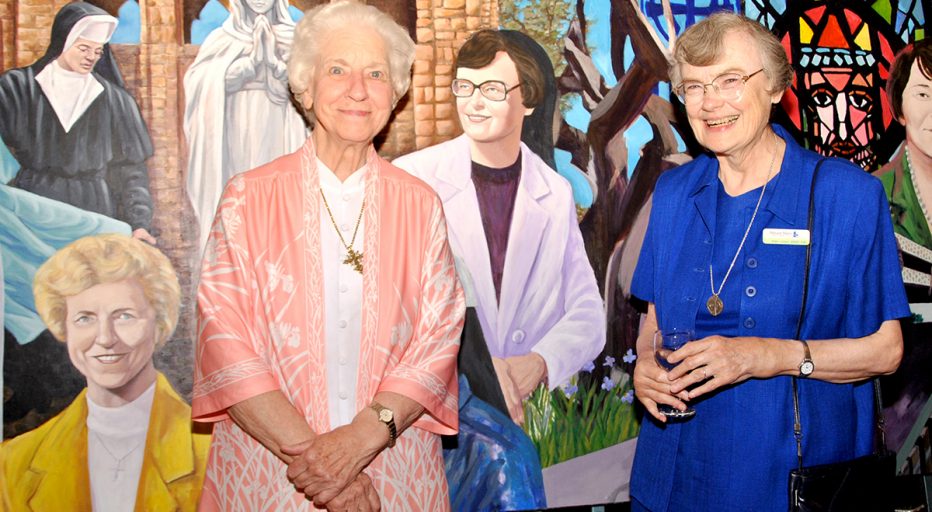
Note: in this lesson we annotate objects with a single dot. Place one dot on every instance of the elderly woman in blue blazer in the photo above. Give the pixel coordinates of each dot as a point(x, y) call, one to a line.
point(724, 256)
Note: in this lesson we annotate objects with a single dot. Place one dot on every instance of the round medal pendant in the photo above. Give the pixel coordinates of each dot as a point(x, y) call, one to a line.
point(714, 305)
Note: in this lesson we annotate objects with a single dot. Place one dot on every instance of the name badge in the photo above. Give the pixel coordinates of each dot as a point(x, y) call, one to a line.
point(786, 236)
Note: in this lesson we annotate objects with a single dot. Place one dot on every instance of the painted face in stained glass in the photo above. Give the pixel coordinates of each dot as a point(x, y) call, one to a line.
point(842, 58)
point(841, 104)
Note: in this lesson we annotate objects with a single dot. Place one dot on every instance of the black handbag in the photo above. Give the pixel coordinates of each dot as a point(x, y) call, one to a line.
point(861, 484)
point(864, 483)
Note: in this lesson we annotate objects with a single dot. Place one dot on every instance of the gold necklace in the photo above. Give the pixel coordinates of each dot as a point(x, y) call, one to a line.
point(353, 257)
point(715, 304)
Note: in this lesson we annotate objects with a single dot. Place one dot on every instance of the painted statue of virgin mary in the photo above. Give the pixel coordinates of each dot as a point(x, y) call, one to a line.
point(238, 112)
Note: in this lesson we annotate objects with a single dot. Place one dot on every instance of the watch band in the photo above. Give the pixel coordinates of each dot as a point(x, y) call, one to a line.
point(386, 416)
point(806, 367)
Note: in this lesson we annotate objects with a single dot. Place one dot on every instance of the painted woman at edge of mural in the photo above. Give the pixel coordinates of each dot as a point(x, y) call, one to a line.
point(238, 112)
point(907, 179)
point(125, 443)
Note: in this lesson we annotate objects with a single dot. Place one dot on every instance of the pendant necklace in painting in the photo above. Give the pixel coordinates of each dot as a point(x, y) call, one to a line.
point(117, 469)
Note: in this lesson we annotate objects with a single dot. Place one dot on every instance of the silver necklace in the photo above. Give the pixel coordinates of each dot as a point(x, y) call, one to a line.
point(715, 304)
point(912, 178)
point(119, 460)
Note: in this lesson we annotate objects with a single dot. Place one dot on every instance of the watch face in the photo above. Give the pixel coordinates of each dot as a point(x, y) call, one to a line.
point(806, 368)
point(385, 415)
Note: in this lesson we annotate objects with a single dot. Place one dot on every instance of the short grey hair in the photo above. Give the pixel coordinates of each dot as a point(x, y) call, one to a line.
point(348, 15)
point(702, 44)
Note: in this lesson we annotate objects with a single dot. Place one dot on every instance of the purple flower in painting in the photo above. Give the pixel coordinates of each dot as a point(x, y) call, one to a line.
point(588, 367)
point(609, 361)
point(607, 383)
point(629, 357)
point(570, 390)
point(628, 397)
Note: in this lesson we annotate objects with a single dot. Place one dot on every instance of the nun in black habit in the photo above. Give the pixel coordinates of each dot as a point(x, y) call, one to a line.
point(77, 133)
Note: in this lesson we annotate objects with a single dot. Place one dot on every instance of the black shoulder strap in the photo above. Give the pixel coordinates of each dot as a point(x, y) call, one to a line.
point(797, 426)
point(878, 406)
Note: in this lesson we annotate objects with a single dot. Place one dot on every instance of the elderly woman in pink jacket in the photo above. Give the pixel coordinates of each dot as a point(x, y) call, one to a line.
point(329, 310)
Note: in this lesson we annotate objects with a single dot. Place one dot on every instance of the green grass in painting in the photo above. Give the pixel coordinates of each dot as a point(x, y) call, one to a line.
point(581, 417)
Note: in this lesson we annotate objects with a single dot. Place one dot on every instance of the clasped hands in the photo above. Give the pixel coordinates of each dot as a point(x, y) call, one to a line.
point(518, 376)
point(707, 364)
point(328, 469)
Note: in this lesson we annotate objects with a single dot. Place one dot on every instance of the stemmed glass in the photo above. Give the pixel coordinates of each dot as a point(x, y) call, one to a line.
point(665, 343)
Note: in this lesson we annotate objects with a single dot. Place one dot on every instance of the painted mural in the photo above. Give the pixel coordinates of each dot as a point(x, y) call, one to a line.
point(238, 110)
point(79, 144)
point(201, 110)
point(127, 437)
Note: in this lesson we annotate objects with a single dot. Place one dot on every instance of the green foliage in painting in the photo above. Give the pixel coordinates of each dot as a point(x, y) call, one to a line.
point(581, 417)
point(544, 20)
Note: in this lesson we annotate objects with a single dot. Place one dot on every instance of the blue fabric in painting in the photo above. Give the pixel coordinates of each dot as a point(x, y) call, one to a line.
point(8, 165)
point(32, 228)
point(495, 465)
point(735, 454)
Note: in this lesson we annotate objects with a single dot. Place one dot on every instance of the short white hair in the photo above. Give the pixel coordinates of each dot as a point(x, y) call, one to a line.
point(320, 21)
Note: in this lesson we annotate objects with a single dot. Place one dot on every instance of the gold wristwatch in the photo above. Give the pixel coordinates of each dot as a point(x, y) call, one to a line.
point(387, 417)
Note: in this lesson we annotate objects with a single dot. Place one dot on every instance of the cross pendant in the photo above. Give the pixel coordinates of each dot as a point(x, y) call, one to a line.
point(118, 470)
point(354, 259)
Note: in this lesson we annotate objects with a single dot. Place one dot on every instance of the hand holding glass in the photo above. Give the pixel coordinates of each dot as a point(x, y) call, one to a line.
point(665, 343)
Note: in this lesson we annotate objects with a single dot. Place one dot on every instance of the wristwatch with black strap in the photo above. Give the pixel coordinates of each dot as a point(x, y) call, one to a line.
point(806, 367)
point(386, 416)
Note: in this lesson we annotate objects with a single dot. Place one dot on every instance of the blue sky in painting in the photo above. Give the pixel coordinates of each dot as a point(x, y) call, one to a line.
point(214, 14)
point(127, 31)
point(598, 39)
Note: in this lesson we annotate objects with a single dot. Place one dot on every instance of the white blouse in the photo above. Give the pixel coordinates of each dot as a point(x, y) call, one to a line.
point(342, 290)
point(116, 445)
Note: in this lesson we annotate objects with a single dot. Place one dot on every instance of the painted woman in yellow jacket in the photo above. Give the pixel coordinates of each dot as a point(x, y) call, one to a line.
point(126, 442)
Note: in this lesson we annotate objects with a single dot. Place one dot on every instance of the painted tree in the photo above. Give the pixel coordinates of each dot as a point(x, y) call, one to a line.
point(619, 200)
point(544, 20)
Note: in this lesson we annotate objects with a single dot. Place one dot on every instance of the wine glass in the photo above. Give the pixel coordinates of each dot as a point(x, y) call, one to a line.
point(665, 343)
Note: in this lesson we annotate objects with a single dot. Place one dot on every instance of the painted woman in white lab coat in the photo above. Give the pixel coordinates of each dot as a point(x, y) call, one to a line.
point(512, 221)
point(520, 256)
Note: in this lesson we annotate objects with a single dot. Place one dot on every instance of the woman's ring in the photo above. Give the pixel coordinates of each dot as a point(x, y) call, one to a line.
point(705, 373)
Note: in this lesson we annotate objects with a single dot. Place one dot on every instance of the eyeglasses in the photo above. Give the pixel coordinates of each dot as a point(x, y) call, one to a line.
point(729, 86)
point(492, 90)
point(92, 53)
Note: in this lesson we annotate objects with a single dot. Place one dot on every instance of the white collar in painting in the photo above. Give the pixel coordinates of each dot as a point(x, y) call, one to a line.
point(122, 421)
point(69, 92)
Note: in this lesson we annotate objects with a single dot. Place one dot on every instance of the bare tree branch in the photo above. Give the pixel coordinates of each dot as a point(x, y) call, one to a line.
point(588, 81)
